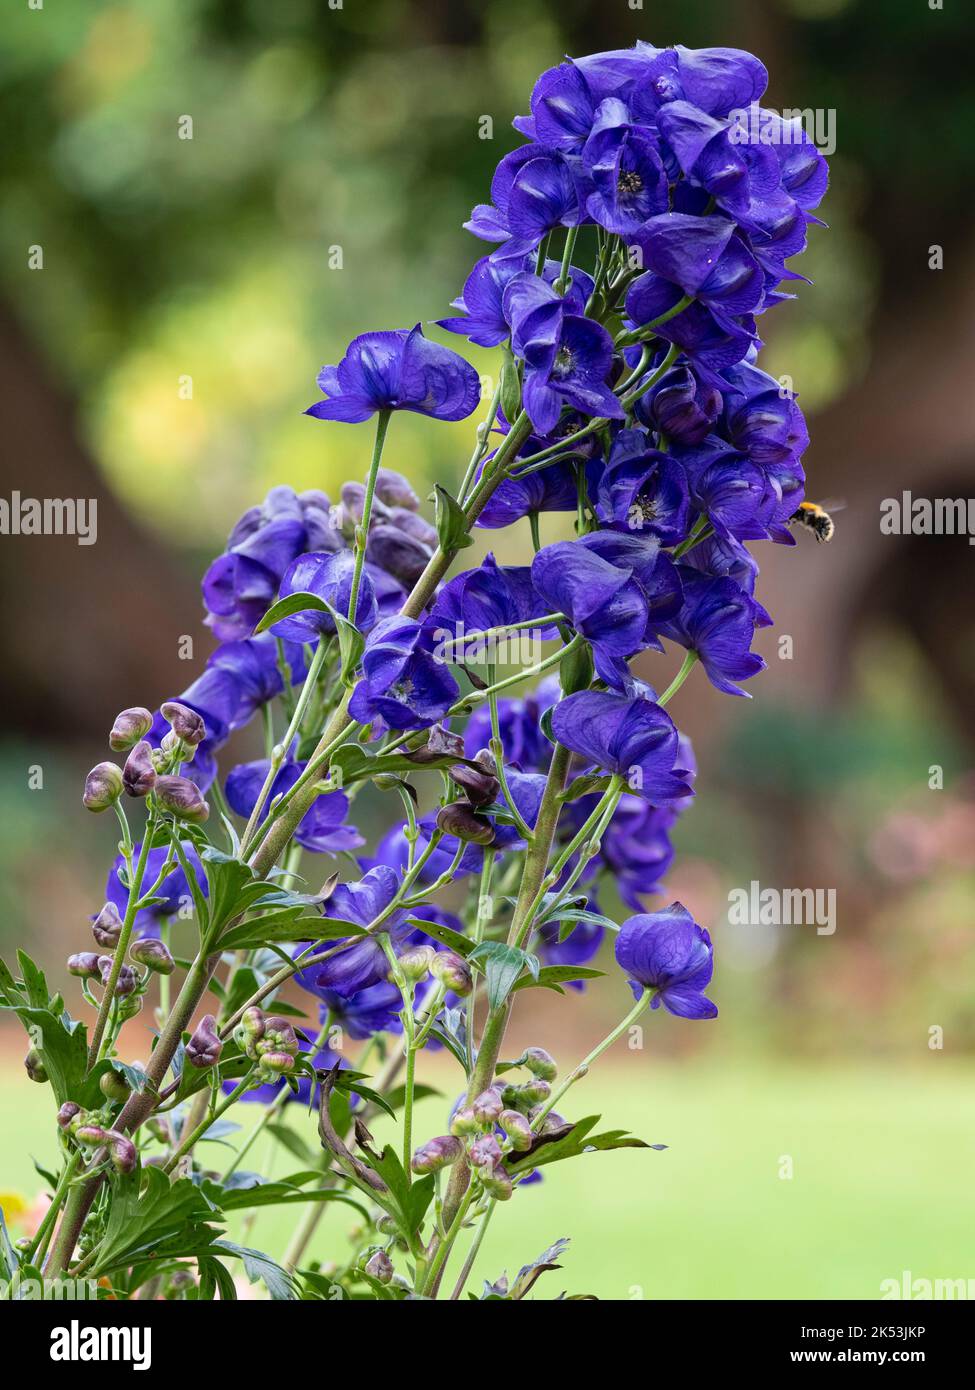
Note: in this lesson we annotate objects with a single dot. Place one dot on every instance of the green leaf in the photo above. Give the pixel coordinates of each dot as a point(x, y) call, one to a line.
point(554, 976)
point(35, 985)
point(576, 669)
point(397, 1095)
point(294, 1143)
point(570, 1143)
point(63, 1045)
point(281, 1285)
point(461, 944)
point(450, 520)
point(285, 1192)
point(148, 1211)
point(504, 965)
point(286, 926)
point(286, 607)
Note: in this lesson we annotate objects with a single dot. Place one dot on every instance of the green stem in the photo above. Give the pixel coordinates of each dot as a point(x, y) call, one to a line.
point(679, 679)
point(475, 1247)
point(50, 1216)
point(188, 1142)
point(580, 1071)
point(135, 886)
point(362, 529)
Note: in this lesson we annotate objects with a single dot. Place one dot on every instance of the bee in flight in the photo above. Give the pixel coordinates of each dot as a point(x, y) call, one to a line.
point(817, 519)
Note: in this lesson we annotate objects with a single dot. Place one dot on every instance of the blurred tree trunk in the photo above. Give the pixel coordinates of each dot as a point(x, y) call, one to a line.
point(87, 629)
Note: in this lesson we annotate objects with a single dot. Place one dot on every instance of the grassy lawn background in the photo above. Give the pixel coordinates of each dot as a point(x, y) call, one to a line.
point(882, 1163)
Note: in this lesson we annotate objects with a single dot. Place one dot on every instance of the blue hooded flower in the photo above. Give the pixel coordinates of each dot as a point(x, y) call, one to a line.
point(403, 683)
point(711, 153)
point(480, 599)
point(625, 167)
point(363, 962)
point(172, 895)
point(642, 490)
point(602, 602)
point(397, 370)
point(633, 738)
point(567, 356)
point(650, 567)
point(717, 621)
point(322, 828)
point(669, 953)
point(684, 405)
point(329, 577)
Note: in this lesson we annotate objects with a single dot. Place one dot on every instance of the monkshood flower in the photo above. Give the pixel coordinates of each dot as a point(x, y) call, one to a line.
point(724, 559)
point(241, 584)
point(306, 1092)
point(365, 1013)
point(525, 746)
point(362, 963)
point(669, 953)
point(534, 190)
point(398, 370)
point(172, 896)
point(761, 419)
point(328, 577)
point(403, 684)
point(650, 567)
point(712, 154)
point(624, 164)
point(633, 738)
point(738, 499)
point(393, 850)
point(635, 849)
point(480, 599)
point(567, 356)
point(322, 829)
point(252, 664)
point(717, 622)
point(704, 259)
point(684, 405)
point(603, 603)
point(484, 319)
point(642, 489)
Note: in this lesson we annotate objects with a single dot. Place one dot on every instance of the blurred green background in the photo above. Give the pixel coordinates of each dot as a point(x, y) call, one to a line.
point(160, 360)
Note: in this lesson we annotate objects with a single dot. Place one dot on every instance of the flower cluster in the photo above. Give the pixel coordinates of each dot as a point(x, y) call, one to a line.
point(529, 805)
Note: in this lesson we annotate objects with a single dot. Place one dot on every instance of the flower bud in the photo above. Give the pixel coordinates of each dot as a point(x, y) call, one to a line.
point(103, 787)
point(89, 1133)
point(463, 1122)
point(415, 963)
point(126, 982)
point(68, 1112)
point(204, 1047)
point(34, 1066)
point(458, 819)
point(131, 725)
point(85, 965)
point(122, 1151)
point(380, 1266)
point(154, 955)
point(441, 743)
point(485, 1151)
point(182, 798)
point(106, 928)
point(113, 1086)
point(496, 1182)
point(480, 787)
point(518, 1129)
point(139, 774)
point(487, 1107)
point(274, 1064)
point(278, 1035)
point(453, 972)
point(187, 725)
point(539, 1062)
point(551, 1123)
point(436, 1153)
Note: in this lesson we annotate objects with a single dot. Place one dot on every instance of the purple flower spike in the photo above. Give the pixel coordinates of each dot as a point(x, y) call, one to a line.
point(669, 953)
